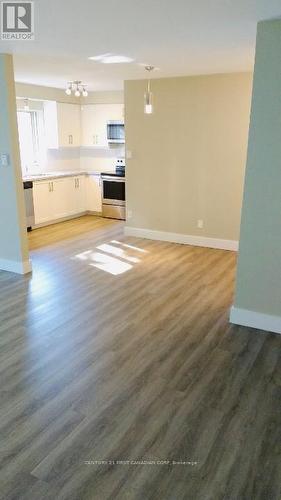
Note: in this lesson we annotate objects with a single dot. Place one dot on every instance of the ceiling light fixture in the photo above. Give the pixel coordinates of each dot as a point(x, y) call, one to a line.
point(148, 106)
point(110, 58)
point(77, 87)
point(100, 57)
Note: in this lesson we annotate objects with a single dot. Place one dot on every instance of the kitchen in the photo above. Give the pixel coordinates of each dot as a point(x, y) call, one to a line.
point(72, 158)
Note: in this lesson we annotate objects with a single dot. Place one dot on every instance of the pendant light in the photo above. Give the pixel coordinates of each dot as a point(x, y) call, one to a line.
point(148, 106)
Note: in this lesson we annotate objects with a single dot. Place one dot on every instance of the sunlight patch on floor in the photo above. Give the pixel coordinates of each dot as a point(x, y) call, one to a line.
point(114, 258)
point(118, 252)
point(129, 246)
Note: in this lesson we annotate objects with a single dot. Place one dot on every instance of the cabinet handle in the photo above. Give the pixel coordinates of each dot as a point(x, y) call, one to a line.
point(70, 139)
point(52, 186)
point(78, 183)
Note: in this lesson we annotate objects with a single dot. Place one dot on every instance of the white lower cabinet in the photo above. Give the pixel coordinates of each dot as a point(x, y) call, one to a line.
point(79, 200)
point(66, 197)
point(93, 193)
point(58, 198)
point(42, 198)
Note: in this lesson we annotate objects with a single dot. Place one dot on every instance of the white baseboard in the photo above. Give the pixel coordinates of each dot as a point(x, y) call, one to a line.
point(255, 319)
point(186, 239)
point(64, 219)
point(16, 267)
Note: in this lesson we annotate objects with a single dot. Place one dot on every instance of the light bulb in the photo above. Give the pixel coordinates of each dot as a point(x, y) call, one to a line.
point(84, 93)
point(68, 91)
point(77, 93)
point(148, 109)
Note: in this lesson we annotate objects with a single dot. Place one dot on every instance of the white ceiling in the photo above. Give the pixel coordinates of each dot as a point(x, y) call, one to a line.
point(180, 37)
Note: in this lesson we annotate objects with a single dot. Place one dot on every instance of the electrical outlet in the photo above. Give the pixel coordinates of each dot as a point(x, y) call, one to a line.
point(129, 154)
point(200, 224)
point(130, 214)
point(4, 159)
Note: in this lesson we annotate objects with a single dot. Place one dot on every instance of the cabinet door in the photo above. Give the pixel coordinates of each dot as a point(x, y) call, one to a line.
point(69, 124)
point(94, 121)
point(87, 125)
point(115, 112)
point(79, 194)
point(42, 199)
point(63, 197)
point(93, 193)
point(94, 118)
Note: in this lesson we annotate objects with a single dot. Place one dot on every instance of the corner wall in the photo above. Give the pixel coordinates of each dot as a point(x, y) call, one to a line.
point(13, 240)
point(188, 158)
point(258, 289)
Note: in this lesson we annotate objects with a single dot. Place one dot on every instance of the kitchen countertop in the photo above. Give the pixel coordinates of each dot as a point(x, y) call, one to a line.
point(57, 175)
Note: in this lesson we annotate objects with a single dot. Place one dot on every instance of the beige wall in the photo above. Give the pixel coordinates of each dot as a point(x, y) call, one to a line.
point(188, 158)
point(13, 240)
point(259, 264)
point(107, 97)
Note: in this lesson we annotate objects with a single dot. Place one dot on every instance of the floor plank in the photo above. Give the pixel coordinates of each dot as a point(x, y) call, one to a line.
point(119, 349)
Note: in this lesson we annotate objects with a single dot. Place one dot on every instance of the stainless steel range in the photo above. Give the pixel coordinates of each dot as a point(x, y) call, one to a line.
point(114, 192)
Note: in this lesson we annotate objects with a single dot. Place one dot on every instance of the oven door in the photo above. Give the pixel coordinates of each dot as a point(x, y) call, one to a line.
point(113, 191)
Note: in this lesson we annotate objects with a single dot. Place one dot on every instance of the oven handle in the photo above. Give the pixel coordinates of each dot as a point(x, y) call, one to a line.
point(115, 179)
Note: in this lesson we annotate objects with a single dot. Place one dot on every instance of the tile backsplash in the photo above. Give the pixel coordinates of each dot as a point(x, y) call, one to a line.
point(70, 159)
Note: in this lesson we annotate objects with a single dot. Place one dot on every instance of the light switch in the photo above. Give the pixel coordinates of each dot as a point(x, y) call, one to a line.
point(4, 160)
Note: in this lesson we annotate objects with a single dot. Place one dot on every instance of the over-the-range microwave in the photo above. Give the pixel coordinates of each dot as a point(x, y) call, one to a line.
point(115, 132)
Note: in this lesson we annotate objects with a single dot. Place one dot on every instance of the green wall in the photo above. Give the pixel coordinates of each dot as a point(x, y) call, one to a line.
point(13, 240)
point(259, 263)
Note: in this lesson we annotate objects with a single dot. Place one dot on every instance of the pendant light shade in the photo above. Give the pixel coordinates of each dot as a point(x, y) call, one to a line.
point(148, 106)
point(148, 97)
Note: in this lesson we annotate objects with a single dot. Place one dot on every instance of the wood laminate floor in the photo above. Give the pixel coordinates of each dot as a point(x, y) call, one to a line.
point(119, 349)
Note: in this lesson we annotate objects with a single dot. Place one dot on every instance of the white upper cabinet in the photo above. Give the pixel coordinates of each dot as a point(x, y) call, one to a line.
point(94, 118)
point(62, 124)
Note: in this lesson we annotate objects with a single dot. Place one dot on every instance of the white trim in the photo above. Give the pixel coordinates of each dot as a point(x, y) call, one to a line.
point(254, 319)
point(186, 239)
point(16, 267)
point(57, 221)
